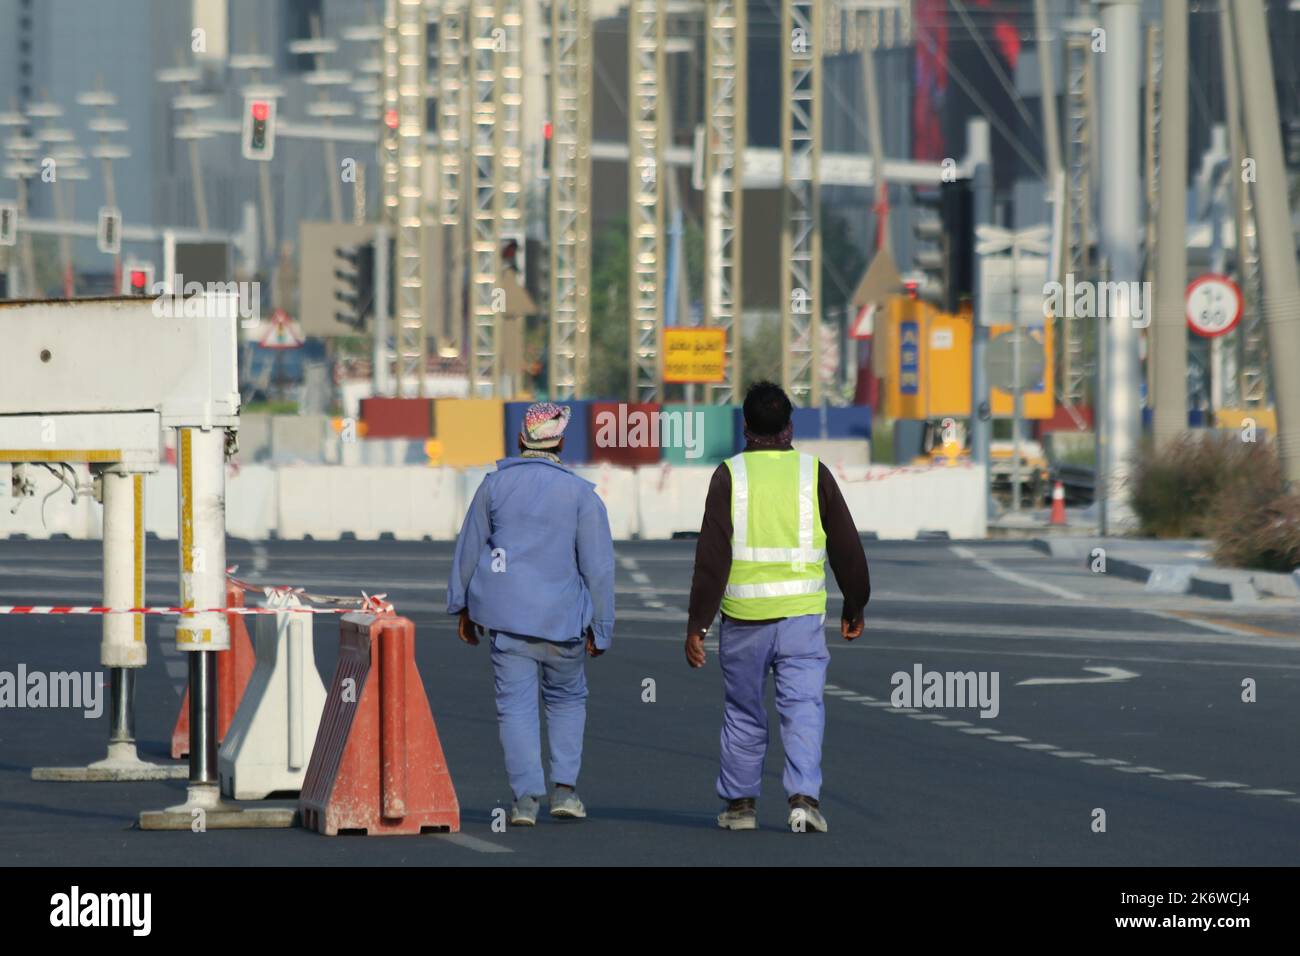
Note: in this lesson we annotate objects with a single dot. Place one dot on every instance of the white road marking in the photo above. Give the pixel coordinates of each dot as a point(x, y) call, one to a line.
point(859, 699)
point(473, 843)
point(926, 716)
point(953, 723)
point(1221, 784)
point(1009, 739)
point(980, 730)
point(901, 710)
point(1106, 762)
point(1269, 793)
point(1032, 746)
point(1001, 572)
point(1180, 777)
point(1071, 754)
point(1139, 770)
point(1109, 675)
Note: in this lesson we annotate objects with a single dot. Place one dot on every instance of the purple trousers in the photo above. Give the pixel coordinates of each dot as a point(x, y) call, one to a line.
point(794, 650)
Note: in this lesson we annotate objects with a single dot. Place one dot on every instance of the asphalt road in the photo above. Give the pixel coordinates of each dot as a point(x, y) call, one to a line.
point(1186, 772)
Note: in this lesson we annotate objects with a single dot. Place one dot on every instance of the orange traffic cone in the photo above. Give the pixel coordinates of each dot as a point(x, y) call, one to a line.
point(1058, 504)
point(234, 668)
point(377, 766)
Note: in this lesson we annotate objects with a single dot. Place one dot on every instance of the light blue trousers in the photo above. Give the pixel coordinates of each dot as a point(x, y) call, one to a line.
point(794, 649)
point(517, 663)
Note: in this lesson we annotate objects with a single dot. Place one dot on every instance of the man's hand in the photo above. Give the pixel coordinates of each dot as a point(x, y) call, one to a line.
point(851, 629)
point(592, 649)
point(468, 631)
point(695, 650)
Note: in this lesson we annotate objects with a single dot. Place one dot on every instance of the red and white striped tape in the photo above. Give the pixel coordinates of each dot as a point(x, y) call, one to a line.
point(91, 609)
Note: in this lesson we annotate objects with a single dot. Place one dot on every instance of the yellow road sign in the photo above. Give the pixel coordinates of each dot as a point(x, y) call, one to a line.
point(694, 355)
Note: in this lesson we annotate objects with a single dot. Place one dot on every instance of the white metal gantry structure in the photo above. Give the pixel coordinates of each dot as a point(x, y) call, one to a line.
point(801, 30)
point(452, 135)
point(645, 168)
point(412, 55)
point(485, 231)
point(726, 79)
point(570, 197)
point(1079, 104)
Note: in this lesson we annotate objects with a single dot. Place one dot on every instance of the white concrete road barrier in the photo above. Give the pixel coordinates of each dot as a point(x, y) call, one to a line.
point(413, 502)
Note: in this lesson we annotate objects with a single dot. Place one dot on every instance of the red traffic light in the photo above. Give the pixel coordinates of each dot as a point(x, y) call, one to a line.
point(139, 278)
point(547, 131)
point(261, 110)
point(390, 119)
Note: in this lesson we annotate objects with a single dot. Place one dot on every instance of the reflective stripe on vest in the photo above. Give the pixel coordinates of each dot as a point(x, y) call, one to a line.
point(783, 580)
point(740, 550)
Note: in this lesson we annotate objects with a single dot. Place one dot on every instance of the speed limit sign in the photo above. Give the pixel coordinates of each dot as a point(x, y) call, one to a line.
point(1213, 305)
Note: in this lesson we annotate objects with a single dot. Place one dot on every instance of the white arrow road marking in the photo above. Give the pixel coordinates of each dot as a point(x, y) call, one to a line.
point(1108, 676)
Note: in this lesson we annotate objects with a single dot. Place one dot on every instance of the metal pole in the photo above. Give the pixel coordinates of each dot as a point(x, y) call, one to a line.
point(1169, 340)
point(1017, 393)
point(981, 411)
point(383, 270)
point(200, 473)
point(1277, 248)
point(1121, 200)
point(1047, 80)
point(123, 645)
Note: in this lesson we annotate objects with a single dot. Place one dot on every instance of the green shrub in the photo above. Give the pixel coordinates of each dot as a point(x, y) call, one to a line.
point(1177, 490)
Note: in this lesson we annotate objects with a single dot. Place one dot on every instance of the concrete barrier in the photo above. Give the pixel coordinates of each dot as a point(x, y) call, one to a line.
point(670, 499)
point(617, 489)
point(326, 502)
point(900, 503)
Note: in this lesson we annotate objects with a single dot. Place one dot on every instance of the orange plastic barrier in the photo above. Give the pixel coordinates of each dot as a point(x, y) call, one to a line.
point(377, 766)
point(234, 668)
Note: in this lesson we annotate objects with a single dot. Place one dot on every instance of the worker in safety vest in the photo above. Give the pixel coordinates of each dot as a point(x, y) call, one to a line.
point(772, 516)
point(534, 567)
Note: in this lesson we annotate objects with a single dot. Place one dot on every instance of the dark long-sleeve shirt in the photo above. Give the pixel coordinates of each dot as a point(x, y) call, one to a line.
point(713, 549)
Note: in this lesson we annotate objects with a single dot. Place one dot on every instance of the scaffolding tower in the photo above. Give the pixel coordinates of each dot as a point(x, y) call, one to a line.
point(451, 185)
point(412, 65)
point(570, 197)
point(725, 99)
point(1078, 187)
point(801, 33)
point(485, 203)
point(646, 75)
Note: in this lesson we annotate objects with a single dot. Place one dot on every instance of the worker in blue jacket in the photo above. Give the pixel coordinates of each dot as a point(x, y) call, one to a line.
point(534, 568)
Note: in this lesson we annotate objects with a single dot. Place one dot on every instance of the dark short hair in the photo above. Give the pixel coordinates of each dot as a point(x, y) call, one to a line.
point(767, 409)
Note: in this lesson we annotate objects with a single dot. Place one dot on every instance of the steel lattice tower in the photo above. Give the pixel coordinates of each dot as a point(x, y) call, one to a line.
point(801, 32)
point(1078, 191)
point(451, 180)
point(725, 99)
point(570, 196)
point(411, 68)
point(646, 75)
point(484, 193)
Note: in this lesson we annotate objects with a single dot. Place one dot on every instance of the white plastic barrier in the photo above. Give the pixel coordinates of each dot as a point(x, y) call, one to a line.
point(270, 739)
point(325, 502)
point(670, 498)
point(251, 506)
point(903, 502)
point(617, 489)
point(23, 516)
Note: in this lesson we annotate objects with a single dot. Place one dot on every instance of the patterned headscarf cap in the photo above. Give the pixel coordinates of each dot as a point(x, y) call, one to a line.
point(544, 425)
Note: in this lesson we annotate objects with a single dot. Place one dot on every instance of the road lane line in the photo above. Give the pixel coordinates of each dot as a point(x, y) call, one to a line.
point(1006, 575)
point(473, 843)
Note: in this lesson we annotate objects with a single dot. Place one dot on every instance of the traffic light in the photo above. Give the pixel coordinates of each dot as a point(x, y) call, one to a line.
point(356, 272)
point(510, 254)
point(259, 128)
point(137, 279)
point(944, 228)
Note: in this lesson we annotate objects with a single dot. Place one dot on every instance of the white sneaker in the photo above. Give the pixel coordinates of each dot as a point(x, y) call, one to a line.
point(565, 803)
point(524, 812)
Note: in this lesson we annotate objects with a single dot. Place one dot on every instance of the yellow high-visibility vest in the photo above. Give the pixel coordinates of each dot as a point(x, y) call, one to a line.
point(778, 545)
